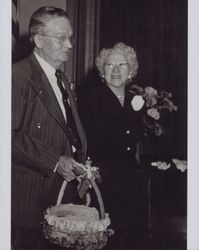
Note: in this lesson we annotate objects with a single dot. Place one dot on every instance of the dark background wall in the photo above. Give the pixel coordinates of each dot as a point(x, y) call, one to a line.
point(157, 29)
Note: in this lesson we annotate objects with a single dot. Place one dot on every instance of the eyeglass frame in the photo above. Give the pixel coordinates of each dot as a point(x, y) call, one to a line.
point(111, 65)
point(61, 39)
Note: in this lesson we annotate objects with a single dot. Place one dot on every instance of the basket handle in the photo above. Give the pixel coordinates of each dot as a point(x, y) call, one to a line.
point(61, 192)
point(97, 192)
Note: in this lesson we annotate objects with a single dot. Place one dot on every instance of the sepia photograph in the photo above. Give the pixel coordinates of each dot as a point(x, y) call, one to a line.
point(99, 117)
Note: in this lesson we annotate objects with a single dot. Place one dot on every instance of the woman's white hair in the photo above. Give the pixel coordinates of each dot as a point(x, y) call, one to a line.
point(128, 51)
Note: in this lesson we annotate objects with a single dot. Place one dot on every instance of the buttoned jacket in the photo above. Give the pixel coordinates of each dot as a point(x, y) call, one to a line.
point(113, 131)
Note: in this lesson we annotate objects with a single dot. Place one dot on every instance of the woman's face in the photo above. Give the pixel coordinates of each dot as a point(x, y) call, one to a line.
point(116, 70)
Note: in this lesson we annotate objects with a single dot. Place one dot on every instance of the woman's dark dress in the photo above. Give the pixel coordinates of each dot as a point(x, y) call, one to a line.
point(113, 132)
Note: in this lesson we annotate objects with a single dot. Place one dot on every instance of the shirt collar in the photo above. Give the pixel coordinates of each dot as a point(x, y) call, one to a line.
point(47, 68)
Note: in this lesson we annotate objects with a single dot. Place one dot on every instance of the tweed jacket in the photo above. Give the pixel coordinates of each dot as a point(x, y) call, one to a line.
point(39, 138)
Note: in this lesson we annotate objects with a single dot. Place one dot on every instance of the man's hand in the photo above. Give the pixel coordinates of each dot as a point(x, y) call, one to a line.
point(65, 166)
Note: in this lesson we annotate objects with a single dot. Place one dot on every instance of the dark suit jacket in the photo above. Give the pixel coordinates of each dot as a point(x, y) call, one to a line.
point(112, 130)
point(39, 138)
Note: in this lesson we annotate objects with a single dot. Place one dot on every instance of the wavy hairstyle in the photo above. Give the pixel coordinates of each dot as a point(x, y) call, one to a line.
point(128, 51)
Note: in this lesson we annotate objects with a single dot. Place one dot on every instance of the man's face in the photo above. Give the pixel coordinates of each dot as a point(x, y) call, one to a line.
point(56, 41)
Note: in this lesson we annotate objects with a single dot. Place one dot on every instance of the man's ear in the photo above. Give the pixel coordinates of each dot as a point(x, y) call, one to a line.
point(130, 76)
point(38, 41)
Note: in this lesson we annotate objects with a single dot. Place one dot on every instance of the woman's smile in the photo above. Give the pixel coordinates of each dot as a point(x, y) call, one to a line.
point(115, 76)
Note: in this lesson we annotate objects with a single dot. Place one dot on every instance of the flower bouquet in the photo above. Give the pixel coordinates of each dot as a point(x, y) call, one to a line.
point(78, 226)
point(155, 107)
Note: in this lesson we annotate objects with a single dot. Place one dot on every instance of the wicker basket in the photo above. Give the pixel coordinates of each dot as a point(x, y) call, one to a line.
point(77, 226)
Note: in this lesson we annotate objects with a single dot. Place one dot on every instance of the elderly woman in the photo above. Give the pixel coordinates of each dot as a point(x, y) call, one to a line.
point(113, 130)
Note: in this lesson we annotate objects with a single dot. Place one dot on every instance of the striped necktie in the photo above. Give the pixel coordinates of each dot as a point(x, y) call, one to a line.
point(72, 131)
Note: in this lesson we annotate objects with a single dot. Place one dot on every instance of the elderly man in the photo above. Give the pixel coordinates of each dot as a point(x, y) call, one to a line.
point(47, 136)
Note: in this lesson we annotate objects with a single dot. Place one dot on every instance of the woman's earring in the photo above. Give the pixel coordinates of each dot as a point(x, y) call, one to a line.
point(129, 79)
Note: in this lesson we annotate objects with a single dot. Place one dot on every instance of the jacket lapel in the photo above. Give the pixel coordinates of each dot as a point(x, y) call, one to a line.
point(44, 90)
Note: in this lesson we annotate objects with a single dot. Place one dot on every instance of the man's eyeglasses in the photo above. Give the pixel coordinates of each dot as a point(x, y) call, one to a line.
point(61, 39)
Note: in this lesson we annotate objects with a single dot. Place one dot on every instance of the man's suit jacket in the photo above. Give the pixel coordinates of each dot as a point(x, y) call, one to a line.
point(39, 138)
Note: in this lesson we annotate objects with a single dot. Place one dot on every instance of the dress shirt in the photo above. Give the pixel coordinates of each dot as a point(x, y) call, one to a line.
point(50, 73)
